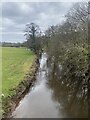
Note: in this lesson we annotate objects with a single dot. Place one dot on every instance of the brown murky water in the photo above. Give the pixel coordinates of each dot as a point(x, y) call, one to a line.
point(47, 99)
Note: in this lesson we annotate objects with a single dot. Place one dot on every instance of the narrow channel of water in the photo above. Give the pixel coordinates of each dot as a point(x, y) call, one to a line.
point(46, 99)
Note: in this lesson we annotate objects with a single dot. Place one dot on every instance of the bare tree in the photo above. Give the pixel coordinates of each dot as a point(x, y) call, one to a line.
point(32, 32)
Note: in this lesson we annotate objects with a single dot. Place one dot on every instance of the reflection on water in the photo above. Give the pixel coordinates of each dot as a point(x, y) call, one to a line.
point(47, 99)
point(78, 109)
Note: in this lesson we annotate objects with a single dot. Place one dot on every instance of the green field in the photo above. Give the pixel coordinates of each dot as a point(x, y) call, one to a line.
point(16, 62)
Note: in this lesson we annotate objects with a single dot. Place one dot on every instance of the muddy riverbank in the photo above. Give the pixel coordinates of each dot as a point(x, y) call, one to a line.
point(11, 102)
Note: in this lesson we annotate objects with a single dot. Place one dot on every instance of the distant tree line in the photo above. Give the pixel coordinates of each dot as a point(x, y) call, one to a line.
point(9, 44)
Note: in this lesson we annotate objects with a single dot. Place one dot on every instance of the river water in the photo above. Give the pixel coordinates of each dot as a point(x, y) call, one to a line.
point(46, 99)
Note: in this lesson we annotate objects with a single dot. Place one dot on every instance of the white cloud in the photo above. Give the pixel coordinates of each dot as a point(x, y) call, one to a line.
point(25, 8)
point(7, 22)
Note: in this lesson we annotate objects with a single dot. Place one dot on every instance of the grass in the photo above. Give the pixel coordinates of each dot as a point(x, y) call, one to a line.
point(16, 62)
point(0, 70)
point(0, 82)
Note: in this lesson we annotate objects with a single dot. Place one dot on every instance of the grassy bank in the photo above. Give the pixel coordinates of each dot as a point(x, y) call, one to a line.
point(18, 66)
point(16, 63)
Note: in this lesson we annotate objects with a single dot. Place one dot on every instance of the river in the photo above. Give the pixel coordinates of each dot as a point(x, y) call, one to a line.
point(46, 99)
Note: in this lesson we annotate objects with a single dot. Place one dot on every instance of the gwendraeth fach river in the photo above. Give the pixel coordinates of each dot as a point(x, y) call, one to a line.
point(46, 99)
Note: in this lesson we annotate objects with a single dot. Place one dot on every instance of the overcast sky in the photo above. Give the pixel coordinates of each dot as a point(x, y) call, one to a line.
point(15, 15)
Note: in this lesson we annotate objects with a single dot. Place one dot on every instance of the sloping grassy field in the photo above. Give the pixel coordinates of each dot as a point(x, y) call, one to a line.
point(16, 62)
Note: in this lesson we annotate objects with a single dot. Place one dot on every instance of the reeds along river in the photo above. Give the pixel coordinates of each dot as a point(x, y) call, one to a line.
point(48, 98)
